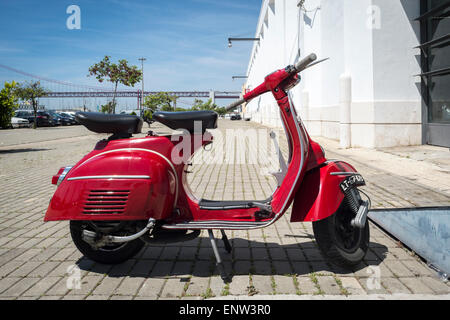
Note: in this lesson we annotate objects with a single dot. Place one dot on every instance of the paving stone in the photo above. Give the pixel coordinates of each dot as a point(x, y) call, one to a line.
point(28, 254)
point(205, 254)
point(10, 267)
point(282, 267)
point(151, 288)
point(25, 269)
point(393, 285)
point(242, 267)
point(6, 283)
point(87, 285)
point(278, 254)
point(241, 253)
point(107, 286)
point(399, 269)
point(20, 287)
point(352, 286)
point(306, 285)
point(187, 253)
point(239, 285)
point(301, 268)
point(73, 297)
point(419, 269)
point(313, 254)
point(169, 253)
point(417, 286)
point(173, 288)
point(328, 285)
point(42, 286)
point(59, 289)
point(263, 267)
point(142, 268)
point(97, 297)
point(162, 269)
point(260, 254)
point(118, 297)
point(151, 252)
point(284, 285)
point(262, 284)
point(437, 285)
point(129, 286)
point(197, 286)
point(216, 285)
point(44, 269)
point(295, 254)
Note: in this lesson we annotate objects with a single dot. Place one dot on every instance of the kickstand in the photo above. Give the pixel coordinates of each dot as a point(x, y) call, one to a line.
point(225, 241)
point(218, 259)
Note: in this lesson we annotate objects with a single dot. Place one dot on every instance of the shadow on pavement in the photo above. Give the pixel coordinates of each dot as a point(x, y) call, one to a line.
point(262, 259)
point(21, 150)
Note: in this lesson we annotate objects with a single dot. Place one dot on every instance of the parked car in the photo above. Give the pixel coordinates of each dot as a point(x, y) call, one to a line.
point(53, 121)
point(65, 121)
point(236, 116)
point(42, 119)
point(72, 118)
point(19, 123)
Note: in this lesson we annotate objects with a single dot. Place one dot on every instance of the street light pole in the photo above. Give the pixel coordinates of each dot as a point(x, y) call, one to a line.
point(142, 93)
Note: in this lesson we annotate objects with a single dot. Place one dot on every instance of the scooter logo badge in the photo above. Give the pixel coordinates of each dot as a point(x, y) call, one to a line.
point(74, 279)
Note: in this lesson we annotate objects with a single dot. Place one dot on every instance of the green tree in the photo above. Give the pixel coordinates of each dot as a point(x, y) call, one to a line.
point(8, 103)
point(221, 110)
point(200, 105)
point(159, 101)
point(31, 91)
point(108, 107)
point(115, 73)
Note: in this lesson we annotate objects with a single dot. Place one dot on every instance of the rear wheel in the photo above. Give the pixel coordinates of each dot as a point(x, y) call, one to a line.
point(340, 242)
point(108, 254)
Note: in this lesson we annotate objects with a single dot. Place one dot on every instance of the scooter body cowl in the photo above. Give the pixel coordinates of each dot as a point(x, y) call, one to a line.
point(125, 179)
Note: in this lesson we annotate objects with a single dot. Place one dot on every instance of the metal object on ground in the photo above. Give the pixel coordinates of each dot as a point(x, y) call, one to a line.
point(425, 230)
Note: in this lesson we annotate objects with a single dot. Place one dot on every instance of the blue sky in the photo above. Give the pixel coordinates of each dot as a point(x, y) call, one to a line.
point(184, 41)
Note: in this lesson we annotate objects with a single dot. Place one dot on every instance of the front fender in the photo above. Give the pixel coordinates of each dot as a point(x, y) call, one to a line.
point(319, 195)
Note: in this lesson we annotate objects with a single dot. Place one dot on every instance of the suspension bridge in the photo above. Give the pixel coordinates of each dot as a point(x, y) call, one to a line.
point(65, 95)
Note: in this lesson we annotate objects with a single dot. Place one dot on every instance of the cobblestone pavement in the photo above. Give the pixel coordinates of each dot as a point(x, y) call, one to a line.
point(37, 259)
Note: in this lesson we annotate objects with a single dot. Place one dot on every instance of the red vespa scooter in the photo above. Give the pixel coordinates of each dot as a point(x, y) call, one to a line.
point(132, 191)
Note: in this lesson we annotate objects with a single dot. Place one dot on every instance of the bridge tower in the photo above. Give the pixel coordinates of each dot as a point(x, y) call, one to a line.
point(212, 96)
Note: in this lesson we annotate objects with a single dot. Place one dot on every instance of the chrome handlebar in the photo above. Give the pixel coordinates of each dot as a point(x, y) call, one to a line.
point(299, 66)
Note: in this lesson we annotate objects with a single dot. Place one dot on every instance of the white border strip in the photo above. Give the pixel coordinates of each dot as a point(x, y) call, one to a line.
point(108, 177)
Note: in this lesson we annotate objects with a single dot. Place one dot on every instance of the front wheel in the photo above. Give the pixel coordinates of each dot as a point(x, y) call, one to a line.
point(340, 242)
point(109, 254)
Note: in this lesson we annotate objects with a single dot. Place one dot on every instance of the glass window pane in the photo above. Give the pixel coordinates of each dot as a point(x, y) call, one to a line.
point(439, 99)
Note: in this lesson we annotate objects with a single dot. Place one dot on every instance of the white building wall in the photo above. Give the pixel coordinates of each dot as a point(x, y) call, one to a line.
point(371, 41)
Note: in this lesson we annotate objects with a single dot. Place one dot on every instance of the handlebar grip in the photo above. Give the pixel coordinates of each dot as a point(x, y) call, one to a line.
point(302, 64)
point(235, 104)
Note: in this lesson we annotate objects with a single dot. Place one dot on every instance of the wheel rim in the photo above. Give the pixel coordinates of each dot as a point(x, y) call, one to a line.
point(348, 237)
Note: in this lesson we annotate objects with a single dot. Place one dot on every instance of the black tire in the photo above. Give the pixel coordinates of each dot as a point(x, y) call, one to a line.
point(105, 255)
point(339, 242)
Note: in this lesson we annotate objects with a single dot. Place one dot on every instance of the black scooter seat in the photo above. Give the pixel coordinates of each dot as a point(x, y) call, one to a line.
point(186, 119)
point(120, 124)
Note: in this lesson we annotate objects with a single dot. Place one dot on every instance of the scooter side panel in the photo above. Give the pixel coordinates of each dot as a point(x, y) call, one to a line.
point(120, 184)
point(319, 195)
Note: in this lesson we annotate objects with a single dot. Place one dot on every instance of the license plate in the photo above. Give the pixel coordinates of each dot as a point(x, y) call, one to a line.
point(355, 180)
